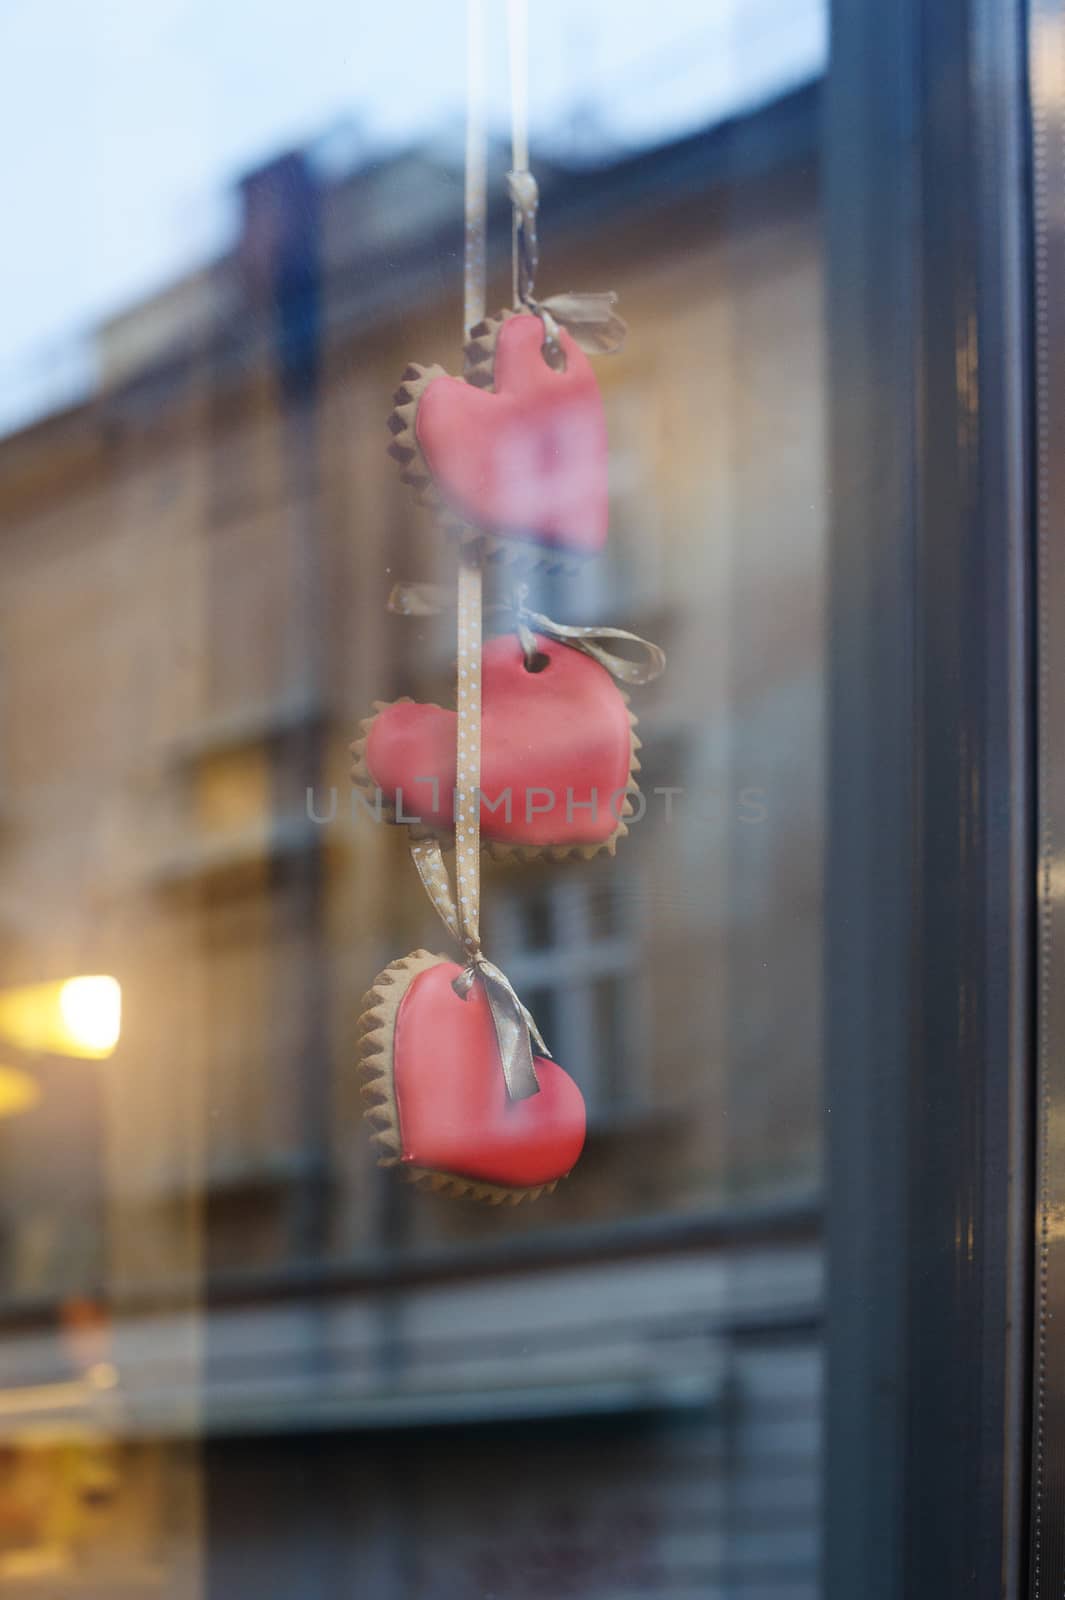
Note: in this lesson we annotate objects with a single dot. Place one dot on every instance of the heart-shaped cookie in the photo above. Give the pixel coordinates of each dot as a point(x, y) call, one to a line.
point(558, 756)
point(437, 1096)
point(517, 450)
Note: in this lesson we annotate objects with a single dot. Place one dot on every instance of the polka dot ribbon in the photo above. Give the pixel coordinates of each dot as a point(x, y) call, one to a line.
point(468, 756)
point(461, 912)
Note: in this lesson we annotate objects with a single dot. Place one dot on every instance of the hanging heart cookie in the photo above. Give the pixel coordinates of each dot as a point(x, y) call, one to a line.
point(515, 453)
point(558, 756)
point(437, 1096)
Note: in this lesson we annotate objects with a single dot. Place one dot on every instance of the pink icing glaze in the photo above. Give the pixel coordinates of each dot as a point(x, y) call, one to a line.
point(454, 1114)
point(530, 459)
point(559, 740)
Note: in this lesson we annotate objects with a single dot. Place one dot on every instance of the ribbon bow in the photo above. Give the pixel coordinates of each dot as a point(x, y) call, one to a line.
point(587, 640)
point(512, 1021)
point(589, 318)
point(428, 599)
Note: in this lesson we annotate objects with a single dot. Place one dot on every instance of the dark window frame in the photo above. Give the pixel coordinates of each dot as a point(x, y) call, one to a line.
point(931, 840)
point(1046, 41)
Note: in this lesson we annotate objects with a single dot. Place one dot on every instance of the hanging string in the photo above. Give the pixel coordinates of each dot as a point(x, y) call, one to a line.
point(520, 182)
point(461, 912)
point(518, 52)
point(522, 186)
point(476, 169)
point(590, 319)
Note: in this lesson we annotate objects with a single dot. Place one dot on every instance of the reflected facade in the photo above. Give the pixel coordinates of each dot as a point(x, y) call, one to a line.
point(238, 1358)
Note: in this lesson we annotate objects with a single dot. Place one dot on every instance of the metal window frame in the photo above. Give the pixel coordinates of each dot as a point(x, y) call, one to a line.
point(930, 909)
point(1046, 44)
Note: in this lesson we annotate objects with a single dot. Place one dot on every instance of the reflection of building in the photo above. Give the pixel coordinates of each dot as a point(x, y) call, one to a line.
point(192, 623)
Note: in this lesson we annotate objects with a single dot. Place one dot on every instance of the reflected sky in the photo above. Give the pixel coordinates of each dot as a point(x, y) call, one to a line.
point(125, 123)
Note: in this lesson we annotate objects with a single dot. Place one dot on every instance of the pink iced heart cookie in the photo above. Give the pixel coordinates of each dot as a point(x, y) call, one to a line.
point(517, 449)
point(437, 1096)
point(558, 756)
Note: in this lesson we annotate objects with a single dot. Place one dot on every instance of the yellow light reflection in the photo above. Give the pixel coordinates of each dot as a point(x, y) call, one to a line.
point(18, 1092)
point(79, 1017)
point(92, 1011)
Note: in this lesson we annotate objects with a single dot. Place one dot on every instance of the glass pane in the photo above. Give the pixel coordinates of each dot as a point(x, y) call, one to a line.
point(240, 1358)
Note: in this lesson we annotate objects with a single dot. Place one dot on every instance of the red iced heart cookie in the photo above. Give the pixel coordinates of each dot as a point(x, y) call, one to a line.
point(558, 754)
point(523, 459)
point(438, 1097)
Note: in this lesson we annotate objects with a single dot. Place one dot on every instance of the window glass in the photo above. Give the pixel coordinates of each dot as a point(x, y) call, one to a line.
point(239, 1358)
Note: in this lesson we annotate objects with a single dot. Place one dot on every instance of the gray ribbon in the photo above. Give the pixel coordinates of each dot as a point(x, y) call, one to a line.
point(590, 319)
point(428, 599)
point(513, 1025)
point(623, 668)
point(525, 198)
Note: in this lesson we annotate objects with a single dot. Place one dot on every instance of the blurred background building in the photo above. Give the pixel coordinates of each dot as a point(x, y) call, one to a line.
point(236, 1358)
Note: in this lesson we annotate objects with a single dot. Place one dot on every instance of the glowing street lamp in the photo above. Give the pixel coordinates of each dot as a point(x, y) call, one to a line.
point(91, 1009)
point(76, 1017)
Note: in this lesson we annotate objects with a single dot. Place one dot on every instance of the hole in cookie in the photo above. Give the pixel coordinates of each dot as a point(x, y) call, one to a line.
point(537, 661)
point(554, 355)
